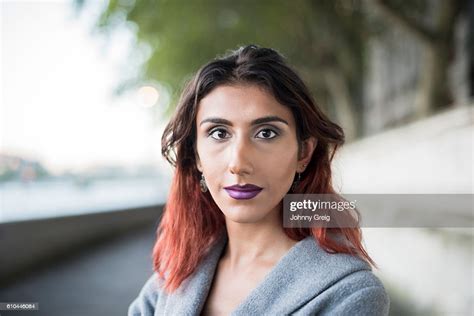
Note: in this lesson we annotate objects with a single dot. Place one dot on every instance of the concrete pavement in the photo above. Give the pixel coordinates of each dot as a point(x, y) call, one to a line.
point(101, 280)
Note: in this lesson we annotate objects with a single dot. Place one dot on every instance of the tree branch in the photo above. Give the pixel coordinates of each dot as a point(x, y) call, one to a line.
point(415, 28)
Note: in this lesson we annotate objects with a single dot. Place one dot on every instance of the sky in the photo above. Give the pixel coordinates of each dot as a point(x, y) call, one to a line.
point(57, 80)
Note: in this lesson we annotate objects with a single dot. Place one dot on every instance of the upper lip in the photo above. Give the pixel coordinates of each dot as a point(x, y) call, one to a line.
point(245, 187)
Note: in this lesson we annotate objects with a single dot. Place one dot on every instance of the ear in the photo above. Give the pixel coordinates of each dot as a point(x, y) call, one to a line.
point(198, 162)
point(306, 152)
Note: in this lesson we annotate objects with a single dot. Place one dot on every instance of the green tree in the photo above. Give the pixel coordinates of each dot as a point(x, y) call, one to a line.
point(436, 34)
point(324, 40)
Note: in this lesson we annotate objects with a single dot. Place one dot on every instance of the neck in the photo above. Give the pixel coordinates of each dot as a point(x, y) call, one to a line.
point(263, 242)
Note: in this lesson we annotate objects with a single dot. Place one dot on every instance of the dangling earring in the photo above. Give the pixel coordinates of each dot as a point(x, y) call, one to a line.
point(202, 184)
point(296, 182)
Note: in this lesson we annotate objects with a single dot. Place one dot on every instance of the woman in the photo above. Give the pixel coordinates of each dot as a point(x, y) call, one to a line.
point(247, 132)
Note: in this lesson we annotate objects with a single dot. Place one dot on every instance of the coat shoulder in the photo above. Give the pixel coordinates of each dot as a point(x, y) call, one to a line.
point(144, 304)
point(343, 285)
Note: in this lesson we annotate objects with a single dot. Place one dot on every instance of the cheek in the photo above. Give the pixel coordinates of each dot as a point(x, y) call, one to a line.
point(279, 166)
point(212, 163)
point(282, 172)
point(204, 153)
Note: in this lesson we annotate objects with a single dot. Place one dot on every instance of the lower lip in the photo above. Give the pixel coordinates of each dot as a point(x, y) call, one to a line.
point(242, 195)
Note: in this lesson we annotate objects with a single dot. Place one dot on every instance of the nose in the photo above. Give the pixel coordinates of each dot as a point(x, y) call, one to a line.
point(240, 162)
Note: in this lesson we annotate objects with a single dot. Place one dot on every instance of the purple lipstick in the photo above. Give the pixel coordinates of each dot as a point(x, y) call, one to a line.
point(243, 192)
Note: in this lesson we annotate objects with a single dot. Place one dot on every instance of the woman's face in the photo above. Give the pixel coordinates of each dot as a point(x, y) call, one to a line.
point(245, 137)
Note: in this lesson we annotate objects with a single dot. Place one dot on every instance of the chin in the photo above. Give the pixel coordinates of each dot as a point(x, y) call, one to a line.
point(243, 220)
point(244, 215)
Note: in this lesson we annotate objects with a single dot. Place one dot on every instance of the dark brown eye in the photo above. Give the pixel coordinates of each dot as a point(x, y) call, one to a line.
point(267, 134)
point(218, 134)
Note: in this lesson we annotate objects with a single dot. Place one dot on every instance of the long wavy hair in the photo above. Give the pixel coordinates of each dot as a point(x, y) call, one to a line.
point(192, 221)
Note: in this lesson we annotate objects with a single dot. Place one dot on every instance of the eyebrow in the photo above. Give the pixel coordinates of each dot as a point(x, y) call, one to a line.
point(265, 119)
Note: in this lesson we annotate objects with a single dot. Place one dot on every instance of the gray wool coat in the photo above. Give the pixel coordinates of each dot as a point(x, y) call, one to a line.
point(306, 281)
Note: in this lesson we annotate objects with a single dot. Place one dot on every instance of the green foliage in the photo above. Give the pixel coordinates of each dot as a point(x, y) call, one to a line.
point(326, 41)
point(316, 36)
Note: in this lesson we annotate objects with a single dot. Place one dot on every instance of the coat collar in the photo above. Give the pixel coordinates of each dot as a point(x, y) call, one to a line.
point(301, 274)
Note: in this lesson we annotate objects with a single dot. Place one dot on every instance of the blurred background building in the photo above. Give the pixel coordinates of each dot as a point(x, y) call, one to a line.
point(88, 86)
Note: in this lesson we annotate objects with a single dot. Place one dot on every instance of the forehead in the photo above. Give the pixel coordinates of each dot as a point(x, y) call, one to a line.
point(241, 103)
